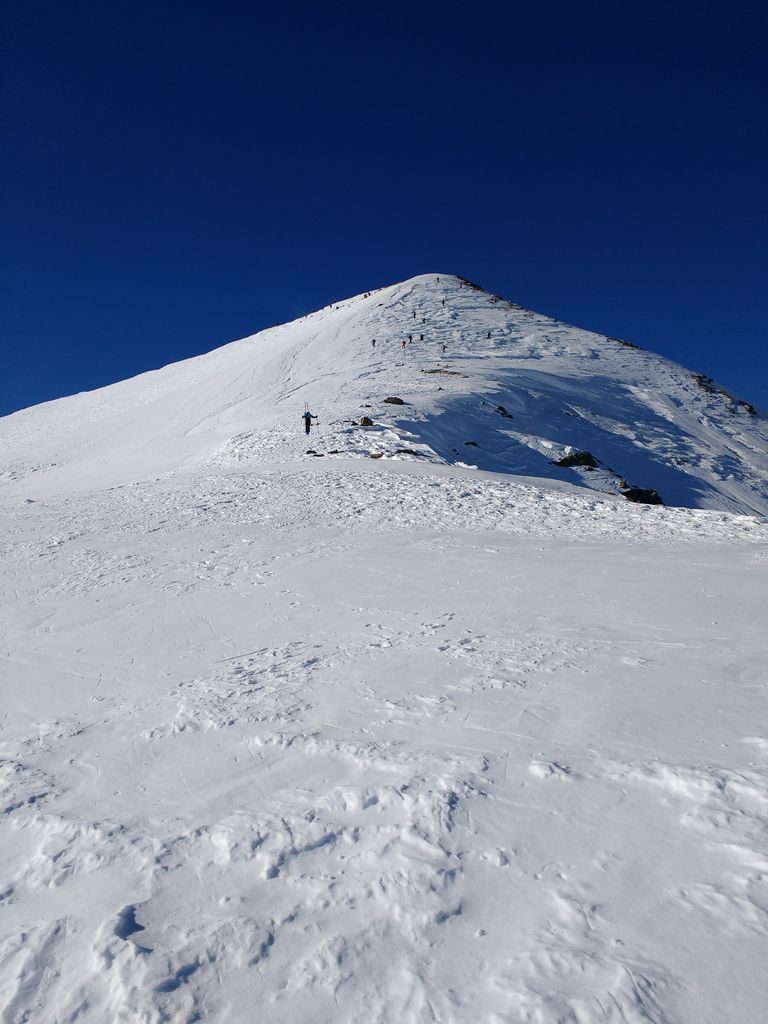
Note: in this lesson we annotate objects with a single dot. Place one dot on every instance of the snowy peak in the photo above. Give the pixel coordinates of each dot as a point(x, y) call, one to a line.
point(482, 382)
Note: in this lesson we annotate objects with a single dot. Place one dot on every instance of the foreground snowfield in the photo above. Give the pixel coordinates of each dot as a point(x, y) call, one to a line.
point(395, 740)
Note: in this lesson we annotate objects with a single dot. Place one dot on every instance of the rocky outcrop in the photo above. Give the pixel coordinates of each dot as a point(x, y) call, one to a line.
point(586, 459)
point(643, 495)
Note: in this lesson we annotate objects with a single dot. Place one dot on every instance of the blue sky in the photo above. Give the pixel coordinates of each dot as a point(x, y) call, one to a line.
point(179, 175)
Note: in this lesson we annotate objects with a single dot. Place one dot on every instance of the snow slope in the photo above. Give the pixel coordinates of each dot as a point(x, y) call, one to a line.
point(385, 740)
point(648, 421)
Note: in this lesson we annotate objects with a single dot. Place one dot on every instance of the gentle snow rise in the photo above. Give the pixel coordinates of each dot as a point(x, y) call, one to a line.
point(401, 722)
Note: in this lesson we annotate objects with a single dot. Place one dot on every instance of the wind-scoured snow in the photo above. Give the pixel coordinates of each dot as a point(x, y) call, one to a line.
point(450, 734)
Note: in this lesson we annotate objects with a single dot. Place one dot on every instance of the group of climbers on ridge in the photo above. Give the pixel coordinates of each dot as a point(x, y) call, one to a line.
point(308, 416)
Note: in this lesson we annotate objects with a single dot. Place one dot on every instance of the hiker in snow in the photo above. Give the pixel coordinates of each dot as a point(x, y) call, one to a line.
point(444, 346)
point(403, 342)
point(443, 301)
point(373, 342)
point(308, 417)
point(414, 314)
point(410, 337)
point(421, 337)
point(489, 334)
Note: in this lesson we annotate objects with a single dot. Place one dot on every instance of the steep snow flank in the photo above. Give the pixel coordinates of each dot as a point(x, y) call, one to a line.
point(486, 383)
point(420, 727)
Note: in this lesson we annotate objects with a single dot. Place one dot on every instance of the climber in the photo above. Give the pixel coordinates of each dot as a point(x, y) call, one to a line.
point(308, 417)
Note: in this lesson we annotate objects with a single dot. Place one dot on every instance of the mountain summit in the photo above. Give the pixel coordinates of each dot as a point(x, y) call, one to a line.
point(412, 718)
point(483, 382)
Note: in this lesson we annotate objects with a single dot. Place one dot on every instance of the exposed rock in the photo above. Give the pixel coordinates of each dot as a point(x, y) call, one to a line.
point(394, 401)
point(366, 421)
point(503, 412)
point(577, 459)
point(472, 444)
point(377, 455)
point(317, 455)
point(643, 495)
point(409, 451)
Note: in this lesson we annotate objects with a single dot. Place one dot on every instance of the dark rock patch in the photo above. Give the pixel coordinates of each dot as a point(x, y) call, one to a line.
point(577, 459)
point(472, 444)
point(503, 412)
point(377, 455)
point(394, 401)
point(366, 421)
point(409, 451)
point(642, 495)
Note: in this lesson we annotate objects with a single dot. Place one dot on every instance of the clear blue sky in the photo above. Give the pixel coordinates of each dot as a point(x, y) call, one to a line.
point(175, 176)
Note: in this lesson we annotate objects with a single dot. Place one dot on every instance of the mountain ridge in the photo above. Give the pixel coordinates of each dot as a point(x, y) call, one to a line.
point(403, 721)
point(487, 383)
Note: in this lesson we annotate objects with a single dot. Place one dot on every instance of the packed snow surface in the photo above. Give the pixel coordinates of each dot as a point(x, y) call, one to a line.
point(446, 734)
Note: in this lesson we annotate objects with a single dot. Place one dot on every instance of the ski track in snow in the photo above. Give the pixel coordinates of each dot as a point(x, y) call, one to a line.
point(388, 740)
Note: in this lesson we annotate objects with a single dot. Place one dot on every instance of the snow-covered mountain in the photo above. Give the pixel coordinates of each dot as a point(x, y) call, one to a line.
point(484, 382)
point(422, 727)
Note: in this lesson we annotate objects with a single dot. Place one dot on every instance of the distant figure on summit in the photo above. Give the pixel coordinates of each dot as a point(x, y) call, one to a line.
point(373, 342)
point(307, 417)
